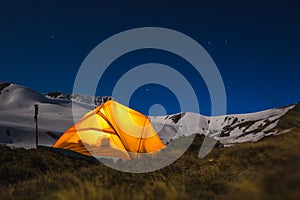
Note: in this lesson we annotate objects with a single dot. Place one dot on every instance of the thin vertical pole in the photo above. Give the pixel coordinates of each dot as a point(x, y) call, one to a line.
point(36, 112)
point(36, 133)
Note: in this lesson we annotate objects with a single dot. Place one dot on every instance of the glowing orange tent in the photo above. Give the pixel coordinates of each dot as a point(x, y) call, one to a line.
point(111, 130)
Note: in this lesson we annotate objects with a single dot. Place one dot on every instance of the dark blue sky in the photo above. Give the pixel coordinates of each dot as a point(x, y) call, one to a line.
point(255, 44)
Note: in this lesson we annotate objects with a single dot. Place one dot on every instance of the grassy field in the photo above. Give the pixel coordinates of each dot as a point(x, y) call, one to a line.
point(268, 169)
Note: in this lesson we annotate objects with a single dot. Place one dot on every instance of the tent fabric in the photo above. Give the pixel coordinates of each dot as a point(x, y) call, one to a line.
point(111, 130)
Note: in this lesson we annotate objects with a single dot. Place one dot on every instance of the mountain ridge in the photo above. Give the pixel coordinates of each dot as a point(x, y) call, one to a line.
point(16, 113)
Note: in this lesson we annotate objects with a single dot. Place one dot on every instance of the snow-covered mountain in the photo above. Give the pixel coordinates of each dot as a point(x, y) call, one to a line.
point(17, 111)
point(89, 100)
point(229, 129)
point(55, 115)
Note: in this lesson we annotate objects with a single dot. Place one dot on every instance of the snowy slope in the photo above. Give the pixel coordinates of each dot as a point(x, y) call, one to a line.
point(229, 129)
point(55, 115)
point(16, 115)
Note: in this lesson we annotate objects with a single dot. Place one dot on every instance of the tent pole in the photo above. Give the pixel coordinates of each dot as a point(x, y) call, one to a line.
point(139, 147)
point(110, 124)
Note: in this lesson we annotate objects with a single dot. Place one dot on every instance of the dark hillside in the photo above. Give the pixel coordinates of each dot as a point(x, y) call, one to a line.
point(268, 169)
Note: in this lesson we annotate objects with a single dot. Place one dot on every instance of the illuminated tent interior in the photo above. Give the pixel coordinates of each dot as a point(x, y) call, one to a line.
point(111, 130)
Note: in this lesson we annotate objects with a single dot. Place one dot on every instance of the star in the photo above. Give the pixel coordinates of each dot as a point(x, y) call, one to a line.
point(147, 89)
point(52, 36)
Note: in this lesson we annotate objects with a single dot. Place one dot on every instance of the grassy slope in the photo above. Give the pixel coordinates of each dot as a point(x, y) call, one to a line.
point(268, 169)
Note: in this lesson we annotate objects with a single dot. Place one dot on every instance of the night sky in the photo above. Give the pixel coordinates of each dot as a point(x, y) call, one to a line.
point(255, 45)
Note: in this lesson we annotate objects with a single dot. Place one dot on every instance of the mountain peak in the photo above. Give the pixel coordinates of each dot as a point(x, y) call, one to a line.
point(89, 100)
point(56, 115)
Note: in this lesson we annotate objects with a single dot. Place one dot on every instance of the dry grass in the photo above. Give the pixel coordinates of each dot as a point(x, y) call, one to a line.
point(268, 169)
